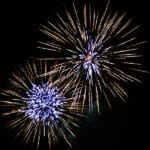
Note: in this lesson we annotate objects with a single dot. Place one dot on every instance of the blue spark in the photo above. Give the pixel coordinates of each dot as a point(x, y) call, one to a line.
point(43, 104)
point(90, 59)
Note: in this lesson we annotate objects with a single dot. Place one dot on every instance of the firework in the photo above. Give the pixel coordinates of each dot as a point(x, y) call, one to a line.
point(97, 50)
point(37, 105)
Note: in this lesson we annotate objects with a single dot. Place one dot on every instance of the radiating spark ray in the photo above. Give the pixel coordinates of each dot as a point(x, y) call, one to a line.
point(84, 98)
point(64, 136)
point(129, 32)
point(125, 50)
point(107, 100)
point(85, 19)
point(110, 89)
point(127, 41)
point(97, 100)
point(137, 44)
point(139, 70)
point(70, 20)
point(123, 27)
point(132, 63)
point(103, 16)
point(78, 20)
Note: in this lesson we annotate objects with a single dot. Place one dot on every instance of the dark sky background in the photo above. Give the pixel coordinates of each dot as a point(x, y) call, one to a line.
point(126, 125)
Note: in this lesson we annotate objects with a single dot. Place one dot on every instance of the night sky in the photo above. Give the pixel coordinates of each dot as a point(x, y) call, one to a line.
point(126, 125)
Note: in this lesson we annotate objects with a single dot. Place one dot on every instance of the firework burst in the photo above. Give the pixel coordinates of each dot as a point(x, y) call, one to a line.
point(38, 106)
point(98, 52)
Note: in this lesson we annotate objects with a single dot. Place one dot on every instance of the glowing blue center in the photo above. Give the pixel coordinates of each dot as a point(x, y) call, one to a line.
point(90, 59)
point(43, 104)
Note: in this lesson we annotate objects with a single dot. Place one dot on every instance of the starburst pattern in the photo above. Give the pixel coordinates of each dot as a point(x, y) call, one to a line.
point(38, 106)
point(43, 104)
point(98, 52)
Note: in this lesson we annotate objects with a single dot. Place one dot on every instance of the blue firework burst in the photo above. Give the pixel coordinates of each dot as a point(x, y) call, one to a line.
point(40, 106)
point(43, 104)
